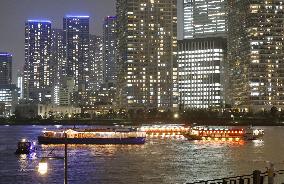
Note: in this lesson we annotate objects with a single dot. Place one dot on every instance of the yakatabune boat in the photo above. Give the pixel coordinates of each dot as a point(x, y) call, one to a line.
point(233, 134)
point(93, 136)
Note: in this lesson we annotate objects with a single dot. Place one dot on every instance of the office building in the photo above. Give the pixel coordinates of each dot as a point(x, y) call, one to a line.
point(255, 54)
point(9, 98)
point(5, 68)
point(147, 46)
point(46, 111)
point(37, 68)
point(204, 18)
point(20, 84)
point(201, 73)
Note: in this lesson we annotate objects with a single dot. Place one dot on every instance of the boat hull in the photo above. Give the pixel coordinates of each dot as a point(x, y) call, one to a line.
point(129, 140)
point(196, 137)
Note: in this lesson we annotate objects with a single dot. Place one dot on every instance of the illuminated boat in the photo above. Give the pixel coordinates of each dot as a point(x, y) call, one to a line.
point(165, 129)
point(93, 136)
point(231, 134)
point(25, 147)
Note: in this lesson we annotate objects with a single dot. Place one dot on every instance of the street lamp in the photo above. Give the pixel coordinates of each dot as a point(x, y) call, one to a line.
point(176, 115)
point(42, 166)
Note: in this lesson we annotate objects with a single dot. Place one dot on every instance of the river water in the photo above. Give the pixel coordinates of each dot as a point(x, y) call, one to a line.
point(157, 161)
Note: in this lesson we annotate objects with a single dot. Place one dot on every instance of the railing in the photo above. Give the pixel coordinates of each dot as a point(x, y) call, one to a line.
point(257, 177)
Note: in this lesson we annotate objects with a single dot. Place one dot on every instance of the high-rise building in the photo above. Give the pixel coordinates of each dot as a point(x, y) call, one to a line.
point(20, 84)
point(37, 68)
point(202, 54)
point(8, 99)
point(76, 45)
point(5, 68)
point(96, 62)
point(57, 54)
point(204, 18)
point(147, 46)
point(110, 49)
point(255, 54)
point(200, 72)
point(58, 62)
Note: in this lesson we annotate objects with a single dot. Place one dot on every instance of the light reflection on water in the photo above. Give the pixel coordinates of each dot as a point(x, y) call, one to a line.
point(158, 161)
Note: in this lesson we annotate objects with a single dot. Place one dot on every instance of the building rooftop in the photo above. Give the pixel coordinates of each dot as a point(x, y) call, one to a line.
point(5, 54)
point(77, 16)
point(38, 20)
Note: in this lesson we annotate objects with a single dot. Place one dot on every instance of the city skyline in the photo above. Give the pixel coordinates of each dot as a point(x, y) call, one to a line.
point(53, 11)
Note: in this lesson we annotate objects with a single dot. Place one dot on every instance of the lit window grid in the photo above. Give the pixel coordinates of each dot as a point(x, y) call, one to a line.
point(37, 74)
point(194, 66)
point(204, 18)
point(263, 86)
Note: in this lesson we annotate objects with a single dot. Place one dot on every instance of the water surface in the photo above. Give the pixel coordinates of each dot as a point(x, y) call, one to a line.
point(158, 161)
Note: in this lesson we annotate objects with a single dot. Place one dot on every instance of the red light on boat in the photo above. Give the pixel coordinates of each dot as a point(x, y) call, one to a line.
point(229, 132)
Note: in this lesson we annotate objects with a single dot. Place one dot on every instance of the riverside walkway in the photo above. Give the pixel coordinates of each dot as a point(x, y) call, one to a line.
point(257, 177)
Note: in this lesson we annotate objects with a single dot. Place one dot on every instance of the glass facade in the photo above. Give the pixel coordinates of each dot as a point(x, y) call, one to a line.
point(200, 64)
point(9, 98)
point(5, 68)
point(204, 18)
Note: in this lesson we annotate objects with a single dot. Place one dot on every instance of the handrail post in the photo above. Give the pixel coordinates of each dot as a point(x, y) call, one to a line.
point(241, 181)
point(65, 159)
point(256, 177)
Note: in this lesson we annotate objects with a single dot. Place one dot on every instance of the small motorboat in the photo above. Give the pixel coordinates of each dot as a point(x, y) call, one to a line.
point(25, 147)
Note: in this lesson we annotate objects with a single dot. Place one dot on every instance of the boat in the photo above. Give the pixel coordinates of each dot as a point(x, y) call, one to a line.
point(164, 130)
point(93, 136)
point(231, 134)
point(25, 147)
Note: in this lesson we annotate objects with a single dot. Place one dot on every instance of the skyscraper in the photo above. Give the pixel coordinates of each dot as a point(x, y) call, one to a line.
point(57, 53)
point(255, 54)
point(20, 84)
point(110, 49)
point(96, 62)
point(204, 18)
point(202, 54)
point(37, 68)
point(201, 73)
point(147, 46)
point(58, 61)
point(5, 68)
point(76, 45)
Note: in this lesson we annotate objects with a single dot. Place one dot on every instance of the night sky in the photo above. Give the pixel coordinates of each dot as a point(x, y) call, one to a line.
point(14, 13)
